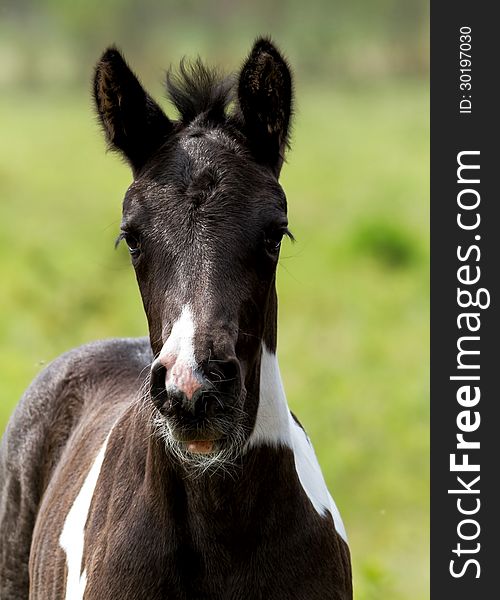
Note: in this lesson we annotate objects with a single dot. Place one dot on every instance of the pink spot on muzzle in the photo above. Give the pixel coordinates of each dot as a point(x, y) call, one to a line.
point(182, 377)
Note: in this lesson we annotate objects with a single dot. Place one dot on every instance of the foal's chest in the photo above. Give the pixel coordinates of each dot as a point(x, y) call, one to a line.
point(186, 574)
point(147, 538)
point(141, 561)
point(142, 554)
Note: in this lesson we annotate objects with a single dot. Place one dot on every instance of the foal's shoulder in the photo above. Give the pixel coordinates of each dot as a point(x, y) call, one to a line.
point(113, 353)
point(90, 376)
point(94, 362)
point(66, 384)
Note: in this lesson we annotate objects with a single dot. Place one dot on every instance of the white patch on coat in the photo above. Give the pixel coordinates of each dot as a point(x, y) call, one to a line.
point(72, 538)
point(311, 477)
point(272, 424)
point(275, 426)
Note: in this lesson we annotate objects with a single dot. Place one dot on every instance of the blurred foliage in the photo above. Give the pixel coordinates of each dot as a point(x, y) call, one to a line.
point(59, 40)
point(353, 336)
point(386, 243)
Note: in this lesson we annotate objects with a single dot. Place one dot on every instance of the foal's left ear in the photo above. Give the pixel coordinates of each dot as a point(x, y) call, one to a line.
point(265, 99)
point(132, 121)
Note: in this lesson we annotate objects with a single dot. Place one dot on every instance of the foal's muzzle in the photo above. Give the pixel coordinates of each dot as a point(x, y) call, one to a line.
point(195, 398)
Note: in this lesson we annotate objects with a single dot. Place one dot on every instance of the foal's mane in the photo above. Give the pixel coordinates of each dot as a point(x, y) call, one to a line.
point(198, 90)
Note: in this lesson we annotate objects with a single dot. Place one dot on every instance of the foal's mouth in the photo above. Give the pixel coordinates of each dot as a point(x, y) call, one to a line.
point(213, 443)
point(202, 442)
point(201, 446)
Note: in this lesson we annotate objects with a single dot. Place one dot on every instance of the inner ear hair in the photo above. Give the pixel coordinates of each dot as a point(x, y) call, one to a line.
point(265, 95)
point(132, 121)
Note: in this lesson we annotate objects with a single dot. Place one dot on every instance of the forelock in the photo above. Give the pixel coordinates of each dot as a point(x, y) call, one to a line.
point(199, 91)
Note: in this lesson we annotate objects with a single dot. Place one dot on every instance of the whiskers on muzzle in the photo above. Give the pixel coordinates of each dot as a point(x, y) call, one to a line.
point(229, 435)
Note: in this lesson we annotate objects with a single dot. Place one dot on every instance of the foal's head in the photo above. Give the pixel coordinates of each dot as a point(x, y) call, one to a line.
point(203, 220)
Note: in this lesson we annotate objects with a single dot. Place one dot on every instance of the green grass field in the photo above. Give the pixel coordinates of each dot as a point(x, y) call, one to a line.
point(353, 339)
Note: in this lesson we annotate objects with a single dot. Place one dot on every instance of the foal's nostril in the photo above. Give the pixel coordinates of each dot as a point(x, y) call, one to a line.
point(157, 386)
point(222, 374)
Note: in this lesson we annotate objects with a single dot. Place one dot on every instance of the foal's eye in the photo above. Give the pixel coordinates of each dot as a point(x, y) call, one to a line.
point(133, 244)
point(273, 240)
point(132, 241)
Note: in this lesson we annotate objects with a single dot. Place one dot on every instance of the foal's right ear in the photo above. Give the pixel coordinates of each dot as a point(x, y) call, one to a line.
point(132, 121)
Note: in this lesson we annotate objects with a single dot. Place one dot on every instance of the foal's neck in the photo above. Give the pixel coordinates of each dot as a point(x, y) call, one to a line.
point(239, 496)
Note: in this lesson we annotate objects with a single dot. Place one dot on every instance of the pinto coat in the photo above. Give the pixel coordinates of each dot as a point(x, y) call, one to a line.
point(171, 467)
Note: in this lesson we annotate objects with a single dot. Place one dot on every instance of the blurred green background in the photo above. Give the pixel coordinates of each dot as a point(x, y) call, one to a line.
point(353, 290)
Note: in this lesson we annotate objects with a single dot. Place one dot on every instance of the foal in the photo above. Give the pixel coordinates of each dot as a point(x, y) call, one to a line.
point(171, 467)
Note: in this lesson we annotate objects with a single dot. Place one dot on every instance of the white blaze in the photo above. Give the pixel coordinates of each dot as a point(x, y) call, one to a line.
point(177, 354)
point(180, 341)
